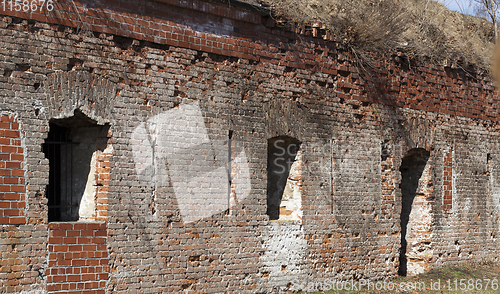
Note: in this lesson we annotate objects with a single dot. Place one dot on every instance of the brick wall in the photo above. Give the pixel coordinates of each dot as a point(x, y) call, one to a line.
point(78, 258)
point(102, 181)
point(253, 36)
point(448, 180)
point(22, 250)
point(12, 189)
point(130, 65)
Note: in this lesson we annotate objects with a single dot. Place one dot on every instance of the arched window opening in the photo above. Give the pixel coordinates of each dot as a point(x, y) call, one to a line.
point(284, 179)
point(414, 182)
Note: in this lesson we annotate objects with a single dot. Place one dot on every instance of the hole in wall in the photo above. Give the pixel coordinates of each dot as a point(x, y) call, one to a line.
point(72, 147)
point(411, 169)
point(284, 179)
point(321, 84)
point(74, 62)
point(22, 67)
point(385, 151)
point(343, 73)
point(359, 116)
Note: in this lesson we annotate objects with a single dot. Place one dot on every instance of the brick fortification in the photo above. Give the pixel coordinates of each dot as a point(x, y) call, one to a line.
point(395, 167)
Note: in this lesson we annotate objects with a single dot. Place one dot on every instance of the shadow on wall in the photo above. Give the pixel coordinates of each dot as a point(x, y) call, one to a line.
point(412, 167)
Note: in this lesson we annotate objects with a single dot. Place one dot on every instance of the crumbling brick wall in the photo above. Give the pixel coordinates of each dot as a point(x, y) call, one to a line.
point(203, 70)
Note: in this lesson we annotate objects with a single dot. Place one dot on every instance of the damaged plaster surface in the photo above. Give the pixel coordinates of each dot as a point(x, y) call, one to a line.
point(419, 231)
point(285, 249)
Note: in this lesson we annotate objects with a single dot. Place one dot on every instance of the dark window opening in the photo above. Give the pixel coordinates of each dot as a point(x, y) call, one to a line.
point(284, 179)
point(412, 167)
point(57, 149)
point(71, 148)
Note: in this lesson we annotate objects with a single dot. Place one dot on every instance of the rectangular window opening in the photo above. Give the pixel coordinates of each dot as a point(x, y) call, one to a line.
point(73, 148)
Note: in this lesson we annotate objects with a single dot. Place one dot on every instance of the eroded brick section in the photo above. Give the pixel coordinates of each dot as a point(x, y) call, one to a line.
point(78, 258)
point(387, 175)
point(198, 27)
point(448, 179)
point(12, 189)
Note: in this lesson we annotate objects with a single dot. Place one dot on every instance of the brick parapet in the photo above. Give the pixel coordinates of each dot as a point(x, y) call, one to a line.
point(223, 29)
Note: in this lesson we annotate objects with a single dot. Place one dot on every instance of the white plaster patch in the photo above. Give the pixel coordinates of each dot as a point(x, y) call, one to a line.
point(141, 148)
point(285, 248)
point(419, 230)
point(242, 176)
point(87, 204)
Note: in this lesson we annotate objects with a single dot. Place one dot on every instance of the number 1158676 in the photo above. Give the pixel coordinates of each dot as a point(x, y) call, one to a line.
point(27, 6)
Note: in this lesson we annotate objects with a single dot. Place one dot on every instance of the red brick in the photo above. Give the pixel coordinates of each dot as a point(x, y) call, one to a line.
point(12, 212)
point(16, 220)
point(8, 149)
point(17, 157)
point(85, 233)
point(56, 240)
point(20, 204)
point(17, 188)
point(57, 233)
point(73, 278)
point(9, 180)
point(8, 133)
point(60, 226)
point(7, 118)
point(13, 165)
point(4, 188)
point(72, 233)
point(75, 248)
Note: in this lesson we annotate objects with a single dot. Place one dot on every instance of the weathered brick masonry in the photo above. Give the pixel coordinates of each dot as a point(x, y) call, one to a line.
point(403, 157)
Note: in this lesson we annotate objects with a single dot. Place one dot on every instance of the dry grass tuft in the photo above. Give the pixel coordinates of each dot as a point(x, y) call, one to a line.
point(423, 28)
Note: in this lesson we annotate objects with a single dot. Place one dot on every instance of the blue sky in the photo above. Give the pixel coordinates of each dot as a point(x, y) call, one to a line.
point(459, 5)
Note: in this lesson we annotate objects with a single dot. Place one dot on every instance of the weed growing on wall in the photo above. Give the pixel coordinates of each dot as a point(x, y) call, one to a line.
point(422, 28)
